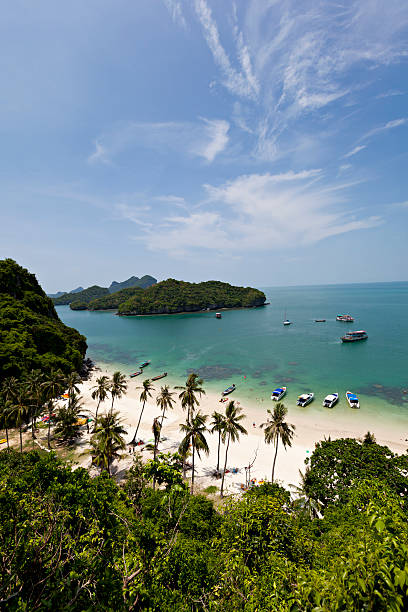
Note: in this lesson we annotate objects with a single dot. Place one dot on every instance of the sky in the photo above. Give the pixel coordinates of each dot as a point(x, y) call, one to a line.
point(258, 142)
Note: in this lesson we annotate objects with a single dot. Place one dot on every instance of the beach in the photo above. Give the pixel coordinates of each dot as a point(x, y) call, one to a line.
point(311, 426)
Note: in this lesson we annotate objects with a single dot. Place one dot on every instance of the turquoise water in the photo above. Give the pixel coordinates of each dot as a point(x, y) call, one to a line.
point(252, 348)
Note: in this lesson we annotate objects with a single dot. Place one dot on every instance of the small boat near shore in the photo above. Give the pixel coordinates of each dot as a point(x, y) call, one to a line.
point(305, 399)
point(353, 400)
point(354, 336)
point(135, 374)
point(320, 320)
point(159, 376)
point(278, 393)
point(345, 318)
point(144, 364)
point(218, 315)
point(229, 390)
point(330, 400)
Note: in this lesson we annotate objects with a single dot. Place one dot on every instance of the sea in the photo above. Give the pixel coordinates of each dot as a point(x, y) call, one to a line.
point(252, 349)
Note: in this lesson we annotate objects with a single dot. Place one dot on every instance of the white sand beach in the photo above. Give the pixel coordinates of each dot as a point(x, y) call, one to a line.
point(311, 427)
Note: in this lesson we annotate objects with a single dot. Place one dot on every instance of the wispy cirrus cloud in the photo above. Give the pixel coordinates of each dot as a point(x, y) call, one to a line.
point(176, 11)
point(260, 212)
point(354, 151)
point(205, 139)
point(390, 125)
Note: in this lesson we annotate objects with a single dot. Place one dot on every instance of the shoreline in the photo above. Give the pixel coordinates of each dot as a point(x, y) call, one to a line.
point(312, 426)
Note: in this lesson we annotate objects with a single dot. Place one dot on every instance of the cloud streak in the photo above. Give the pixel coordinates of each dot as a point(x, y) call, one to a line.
point(390, 125)
point(355, 151)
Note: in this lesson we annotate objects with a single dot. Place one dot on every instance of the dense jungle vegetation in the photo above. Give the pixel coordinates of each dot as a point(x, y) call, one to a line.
point(80, 298)
point(72, 542)
point(31, 333)
point(172, 296)
point(113, 300)
point(85, 296)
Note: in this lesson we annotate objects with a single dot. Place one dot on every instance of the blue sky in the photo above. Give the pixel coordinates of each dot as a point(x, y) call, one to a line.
point(260, 142)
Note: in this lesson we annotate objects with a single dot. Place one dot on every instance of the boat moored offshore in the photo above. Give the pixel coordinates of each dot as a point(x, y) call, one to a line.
point(305, 399)
point(353, 400)
point(144, 364)
point(354, 336)
point(229, 390)
point(278, 393)
point(345, 318)
point(330, 400)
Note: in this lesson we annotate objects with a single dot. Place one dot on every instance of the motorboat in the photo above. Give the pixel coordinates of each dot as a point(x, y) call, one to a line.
point(330, 400)
point(352, 400)
point(354, 336)
point(229, 390)
point(136, 373)
point(286, 320)
point(320, 320)
point(278, 393)
point(305, 399)
point(144, 364)
point(159, 376)
point(218, 315)
point(345, 318)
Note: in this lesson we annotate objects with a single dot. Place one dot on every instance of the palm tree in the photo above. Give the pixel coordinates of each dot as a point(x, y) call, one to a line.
point(36, 394)
point(118, 386)
point(232, 429)
point(73, 380)
point(189, 392)
point(8, 392)
point(164, 400)
point(276, 429)
point(304, 503)
point(147, 388)
point(53, 386)
point(67, 426)
point(218, 421)
point(19, 410)
point(107, 440)
point(100, 393)
point(5, 410)
point(156, 429)
point(194, 431)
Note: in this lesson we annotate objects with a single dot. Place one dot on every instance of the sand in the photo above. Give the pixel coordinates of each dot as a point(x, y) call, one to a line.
point(311, 427)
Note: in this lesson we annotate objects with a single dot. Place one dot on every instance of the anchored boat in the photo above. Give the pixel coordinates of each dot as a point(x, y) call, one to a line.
point(352, 400)
point(144, 364)
point(218, 315)
point(159, 376)
point(354, 336)
point(136, 373)
point(305, 399)
point(278, 393)
point(330, 400)
point(345, 318)
point(229, 390)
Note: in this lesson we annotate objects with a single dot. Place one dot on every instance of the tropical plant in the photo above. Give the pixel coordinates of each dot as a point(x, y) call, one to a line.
point(164, 400)
point(369, 438)
point(232, 430)
point(5, 411)
point(304, 503)
point(118, 386)
point(217, 425)
point(19, 410)
point(276, 429)
point(107, 441)
point(100, 393)
point(53, 386)
point(147, 388)
point(72, 381)
point(68, 427)
point(36, 396)
point(194, 435)
point(189, 394)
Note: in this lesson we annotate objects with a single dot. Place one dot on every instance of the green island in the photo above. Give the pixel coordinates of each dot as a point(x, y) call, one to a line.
point(80, 298)
point(172, 296)
point(31, 333)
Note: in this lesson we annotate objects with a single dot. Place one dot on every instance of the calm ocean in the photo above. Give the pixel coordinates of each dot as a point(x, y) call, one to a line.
point(252, 348)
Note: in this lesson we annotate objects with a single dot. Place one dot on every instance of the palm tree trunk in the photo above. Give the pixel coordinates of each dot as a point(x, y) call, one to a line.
point(96, 416)
point(225, 466)
point(164, 410)
point(113, 399)
point(274, 460)
point(218, 454)
point(192, 474)
point(8, 443)
point(49, 429)
point(137, 428)
point(21, 440)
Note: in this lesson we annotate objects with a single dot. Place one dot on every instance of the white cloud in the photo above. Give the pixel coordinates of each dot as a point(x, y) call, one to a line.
point(384, 128)
point(206, 138)
point(389, 94)
point(176, 11)
point(260, 212)
point(354, 151)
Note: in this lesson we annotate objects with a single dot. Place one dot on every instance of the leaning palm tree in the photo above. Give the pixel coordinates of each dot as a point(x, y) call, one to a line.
point(100, 393)
point(118, 386)
point(53, 386)
point(276, 429)
point(165, 401)
point(189, 393)
point(194, 435)
point(232, 429)
point(108, 440)
point(73, 380)
point(217, 423)
point(36, 395)
point(5, 412)
point(146, 387)
point(19, 410)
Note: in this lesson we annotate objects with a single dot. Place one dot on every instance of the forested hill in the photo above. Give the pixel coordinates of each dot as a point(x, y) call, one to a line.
point(111, 301)
point(81, 298)
point(172, 296)
point(31, 333)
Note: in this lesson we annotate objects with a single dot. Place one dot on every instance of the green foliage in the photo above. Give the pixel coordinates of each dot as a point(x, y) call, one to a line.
point(31, 334)
point(113, 300)
point(85, 296)
point(172, 296)
point(133, 281)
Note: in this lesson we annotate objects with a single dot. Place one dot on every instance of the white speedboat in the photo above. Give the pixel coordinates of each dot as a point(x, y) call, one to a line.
point(352, 400)
point(330, 400)
point(278, 393)
point(305, 399)
point(286, 320)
